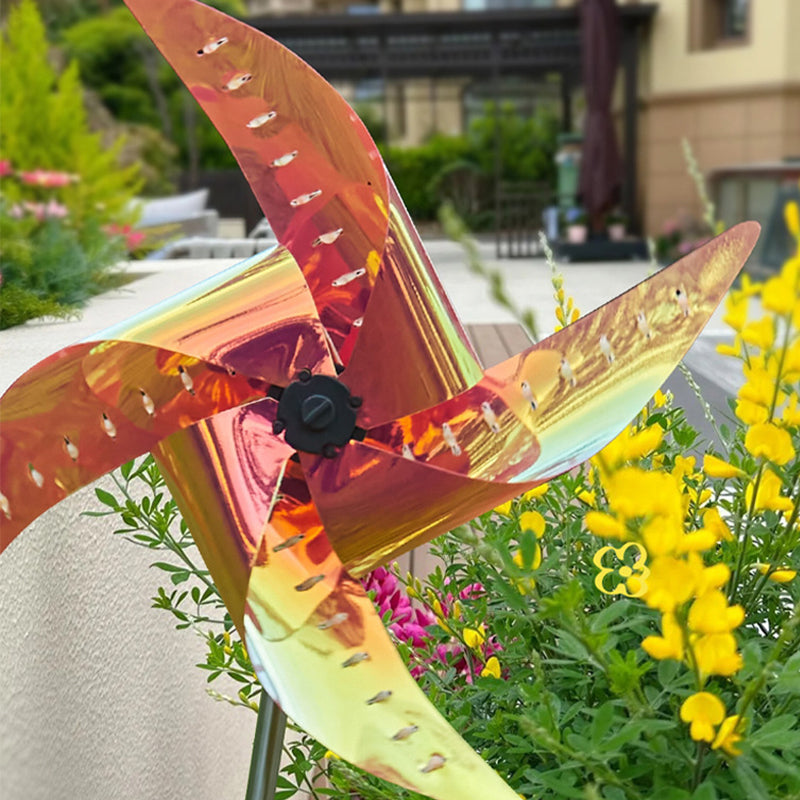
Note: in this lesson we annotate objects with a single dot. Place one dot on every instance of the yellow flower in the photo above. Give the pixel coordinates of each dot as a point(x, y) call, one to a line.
point(711, 613)
point(329, 754)
point(734, 350)
point(671, 582)
point(474, 639)
point(792, 216)
point(735, 311)
point(669, 644)
point(575, 316)
point(710, 577)
point(560, 315)
point(750, 413)
point(537, 559)
point(760, 334)
point(717, 468)
point(759, 387)
point(769, 493)
point(716, 654)
point(634, 492)
point(492, 668)
point(532, 521)
point(504, 509)
point(661, 535)
point(791, 364)
point(537, 491)
point(683, 468)
point(704, 711)
point(588, 497)
point(660, 399)
point(697, 541)
point(766, 440)
point(728, 736)
point(778, 296)
point(781, 575)
point(791, 412)
point(604, 525)
point(713, 522)
point(643, 442)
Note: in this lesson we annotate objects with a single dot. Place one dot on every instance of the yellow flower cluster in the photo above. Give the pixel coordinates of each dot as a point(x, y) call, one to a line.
point(653, 507)
point(770, 350)
point(566, 312)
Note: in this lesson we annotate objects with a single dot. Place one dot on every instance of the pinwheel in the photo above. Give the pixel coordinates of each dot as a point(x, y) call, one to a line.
point(318, 409)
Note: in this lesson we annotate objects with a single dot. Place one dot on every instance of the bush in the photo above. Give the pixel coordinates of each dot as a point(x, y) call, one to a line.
point(462, 169)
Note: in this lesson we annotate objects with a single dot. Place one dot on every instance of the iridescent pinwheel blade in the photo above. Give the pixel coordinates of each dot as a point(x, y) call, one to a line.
point(310, 162)
point(94, 405)
point(412, 351)
point(376, 504)
point(573, 392)
point(337, 673)
point(223, 473)
point(91, 407)
point(317, 643)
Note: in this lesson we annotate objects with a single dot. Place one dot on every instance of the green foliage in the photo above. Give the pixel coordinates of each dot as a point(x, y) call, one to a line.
point(463, 169)
point(119, 62)
point(45, 126)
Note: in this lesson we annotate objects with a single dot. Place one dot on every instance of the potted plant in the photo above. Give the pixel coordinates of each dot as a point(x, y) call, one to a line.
point(576, 224)
point(616, 225)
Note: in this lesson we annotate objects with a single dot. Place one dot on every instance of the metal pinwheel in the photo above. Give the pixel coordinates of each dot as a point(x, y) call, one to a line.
point(318, 409)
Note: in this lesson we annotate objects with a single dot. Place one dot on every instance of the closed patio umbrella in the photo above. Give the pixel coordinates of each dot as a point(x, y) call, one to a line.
point(600, 177)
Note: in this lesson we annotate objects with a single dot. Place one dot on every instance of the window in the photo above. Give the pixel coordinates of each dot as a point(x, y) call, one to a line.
point(718, 23)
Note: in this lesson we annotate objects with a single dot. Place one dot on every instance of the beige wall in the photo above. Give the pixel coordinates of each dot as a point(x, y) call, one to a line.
point(724, 130)
point(737, 104)
point(763, 60)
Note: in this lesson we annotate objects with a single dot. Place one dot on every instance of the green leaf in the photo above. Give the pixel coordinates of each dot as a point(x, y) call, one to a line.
point(705, 791)
point(107, 499)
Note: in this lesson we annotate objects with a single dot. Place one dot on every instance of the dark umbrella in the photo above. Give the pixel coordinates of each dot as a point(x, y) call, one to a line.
point(600, 177)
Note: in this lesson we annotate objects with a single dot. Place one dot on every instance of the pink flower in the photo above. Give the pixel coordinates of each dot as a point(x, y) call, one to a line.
point(16, 211)
point(5, 168)
point(132, 238)
point(55, 210)
point(42, 177)
point(37, 209)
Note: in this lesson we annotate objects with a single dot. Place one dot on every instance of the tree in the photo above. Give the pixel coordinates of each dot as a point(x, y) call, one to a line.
point(45, 126)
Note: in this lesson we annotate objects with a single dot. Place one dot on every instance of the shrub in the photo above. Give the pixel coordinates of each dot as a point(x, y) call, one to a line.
point(61, 188)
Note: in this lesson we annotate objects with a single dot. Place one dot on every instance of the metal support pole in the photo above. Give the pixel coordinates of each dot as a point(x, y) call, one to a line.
point(265, 761)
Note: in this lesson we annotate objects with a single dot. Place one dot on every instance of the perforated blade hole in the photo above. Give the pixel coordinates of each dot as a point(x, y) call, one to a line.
point(263, 119)
point(302, 199)
point(71, 448)
point(212, 47)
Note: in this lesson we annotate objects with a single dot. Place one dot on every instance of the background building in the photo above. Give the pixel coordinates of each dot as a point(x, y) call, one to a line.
point(721, 73)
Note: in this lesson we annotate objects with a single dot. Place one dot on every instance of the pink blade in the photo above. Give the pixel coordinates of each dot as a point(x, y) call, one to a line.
point(576, 390)
point(93, 406)
point(257, 318)
point(224, 473)
point(310, 162)
point(412, 351)
point(376, 505)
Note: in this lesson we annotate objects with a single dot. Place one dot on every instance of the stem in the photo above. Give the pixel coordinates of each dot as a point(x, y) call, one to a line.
point(702, 748)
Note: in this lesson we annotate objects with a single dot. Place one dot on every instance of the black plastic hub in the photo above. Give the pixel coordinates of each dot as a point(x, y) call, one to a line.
point(317, 413)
